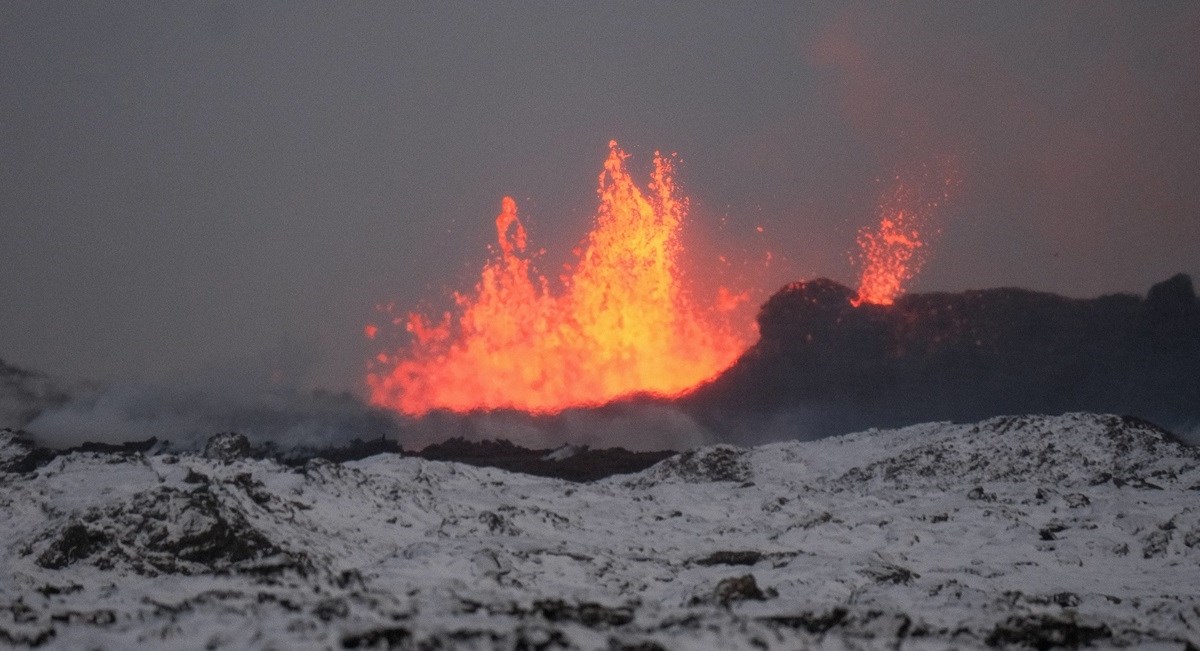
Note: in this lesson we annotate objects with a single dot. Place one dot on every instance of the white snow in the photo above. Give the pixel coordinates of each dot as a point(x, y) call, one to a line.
point(933, 536)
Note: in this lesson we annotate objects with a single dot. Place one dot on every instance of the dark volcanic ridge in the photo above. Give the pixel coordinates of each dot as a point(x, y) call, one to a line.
point(568, 462)
point(824, 365)
point(821, 367)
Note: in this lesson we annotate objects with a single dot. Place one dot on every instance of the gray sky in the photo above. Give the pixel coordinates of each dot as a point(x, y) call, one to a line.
point(186, 185)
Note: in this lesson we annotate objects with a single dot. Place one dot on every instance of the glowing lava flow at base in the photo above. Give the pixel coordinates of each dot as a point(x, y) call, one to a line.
point(625, 320)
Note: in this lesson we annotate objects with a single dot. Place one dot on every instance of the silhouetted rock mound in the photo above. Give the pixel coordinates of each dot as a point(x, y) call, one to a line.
point(462, 450)
point(963, 356)
point(583, 464)
point(355, 450)
point(360, 449)
point(20, 454)
point(126, 448)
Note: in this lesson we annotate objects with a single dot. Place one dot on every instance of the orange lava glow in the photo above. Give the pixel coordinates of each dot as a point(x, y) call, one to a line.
point(625, 320)
point(892, 254)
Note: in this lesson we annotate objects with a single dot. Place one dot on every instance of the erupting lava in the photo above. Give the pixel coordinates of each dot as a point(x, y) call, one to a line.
point(893, 254)
point(624, 322)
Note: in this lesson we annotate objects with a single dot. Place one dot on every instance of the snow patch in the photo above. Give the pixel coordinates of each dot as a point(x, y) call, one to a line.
point(1024, 531)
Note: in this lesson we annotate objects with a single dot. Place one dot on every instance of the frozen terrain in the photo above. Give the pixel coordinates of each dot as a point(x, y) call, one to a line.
point(1017, 531)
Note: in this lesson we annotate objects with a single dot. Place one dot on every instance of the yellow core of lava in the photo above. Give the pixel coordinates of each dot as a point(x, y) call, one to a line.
point(624, 320)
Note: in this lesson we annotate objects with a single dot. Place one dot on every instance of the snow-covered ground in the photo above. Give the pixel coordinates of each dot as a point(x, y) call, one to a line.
point(1013, 531)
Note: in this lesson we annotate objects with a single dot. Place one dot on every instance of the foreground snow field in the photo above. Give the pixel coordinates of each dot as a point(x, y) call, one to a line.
point(1017, 531)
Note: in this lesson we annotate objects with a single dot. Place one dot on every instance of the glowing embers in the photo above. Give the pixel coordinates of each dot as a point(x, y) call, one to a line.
point(623, 322)
point(893, 253)
point(890, 257)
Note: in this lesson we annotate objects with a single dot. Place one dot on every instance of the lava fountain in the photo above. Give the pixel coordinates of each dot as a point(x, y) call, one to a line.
point(624, 321)
point(890, 256)
point(893, 253)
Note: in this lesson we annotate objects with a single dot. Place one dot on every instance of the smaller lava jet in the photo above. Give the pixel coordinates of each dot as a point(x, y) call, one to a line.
point(893, 253)
point(891, 256)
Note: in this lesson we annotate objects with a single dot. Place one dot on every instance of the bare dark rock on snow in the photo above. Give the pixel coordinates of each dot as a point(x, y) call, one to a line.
point(1047, 632)
point(1123, 452)
point(738, 588)
point(19, 454)
point(891, 573)
point(718, 463)
point(1076, 500)
point(390, 637)
point(173, 531)
point(227, 446)
point(23, 455)
point(590, 614)
point(75, 543)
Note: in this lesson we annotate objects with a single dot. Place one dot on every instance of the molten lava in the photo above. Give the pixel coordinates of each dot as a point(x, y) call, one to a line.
point(623, 322)
point(894, 253)
point(891, 256)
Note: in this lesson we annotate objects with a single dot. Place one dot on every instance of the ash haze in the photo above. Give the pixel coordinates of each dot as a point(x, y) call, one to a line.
point(184, 187)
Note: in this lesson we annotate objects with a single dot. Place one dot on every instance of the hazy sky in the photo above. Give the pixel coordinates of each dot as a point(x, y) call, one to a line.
point(200, 183)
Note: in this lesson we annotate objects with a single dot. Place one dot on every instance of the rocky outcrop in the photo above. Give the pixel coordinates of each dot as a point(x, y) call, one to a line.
point(962, 356)
point(227, 446)
point(583, 464)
